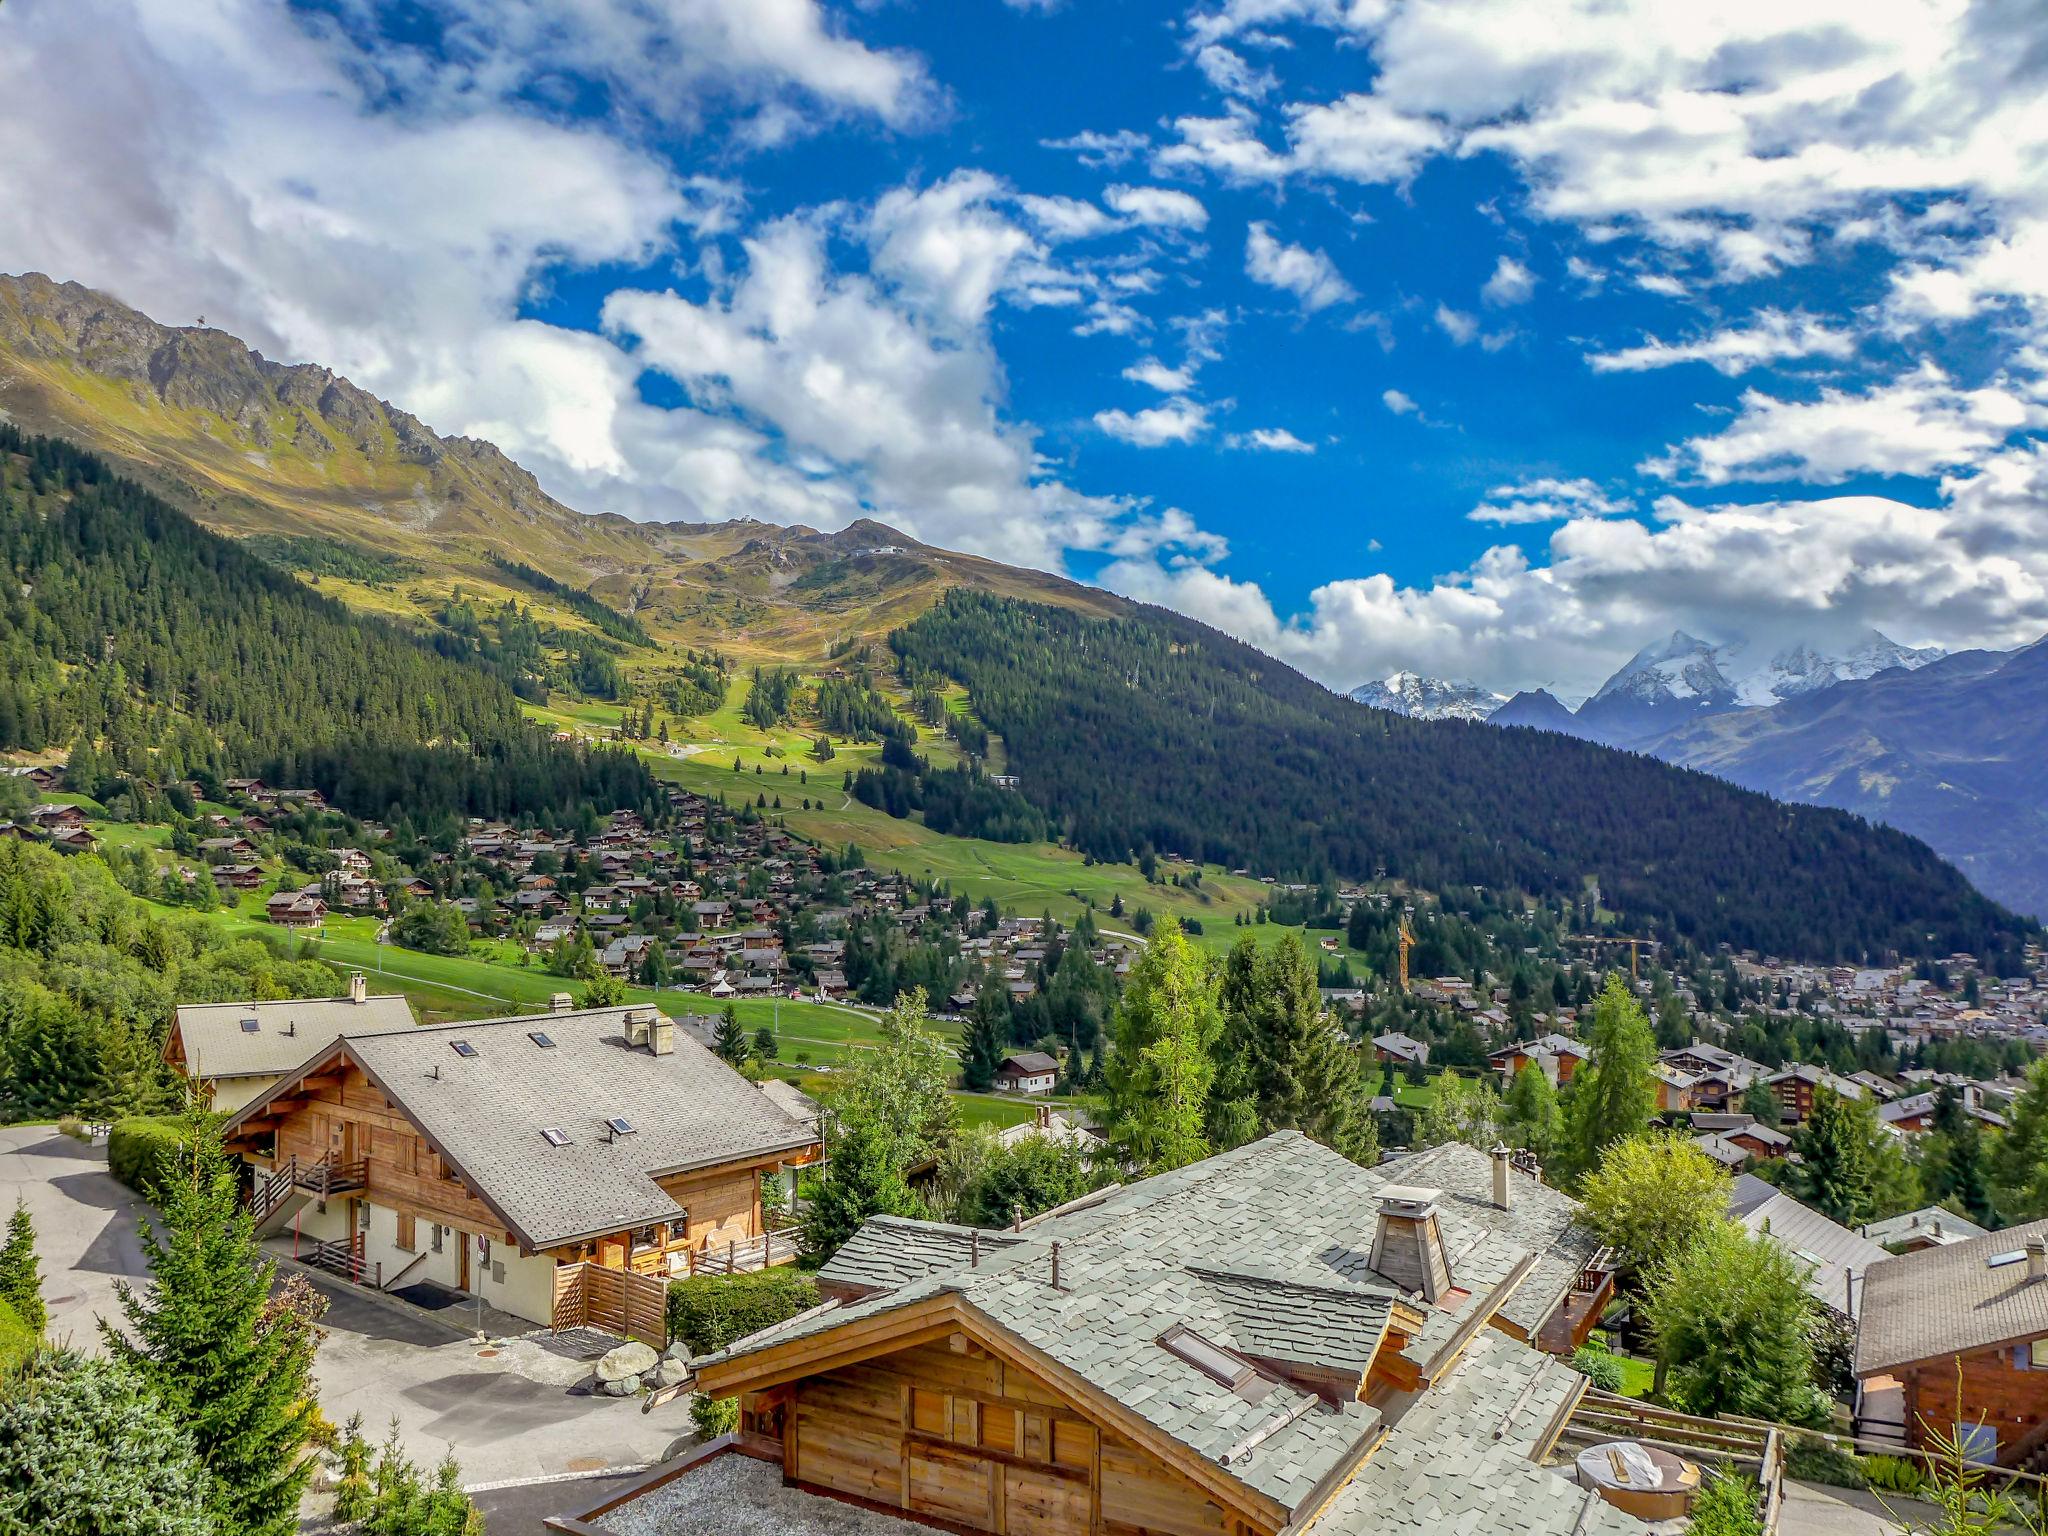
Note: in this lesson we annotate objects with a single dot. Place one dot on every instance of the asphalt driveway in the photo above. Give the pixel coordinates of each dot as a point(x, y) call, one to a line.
point(506, 1412)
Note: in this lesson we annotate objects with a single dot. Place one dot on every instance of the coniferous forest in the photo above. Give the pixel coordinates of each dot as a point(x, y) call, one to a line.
point(1156, 733)
point(123, 622)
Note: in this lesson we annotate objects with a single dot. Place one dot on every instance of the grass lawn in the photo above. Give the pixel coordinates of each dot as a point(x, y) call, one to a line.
point(1000, 1111)
point(1636, 1376)
point(1415, 1096)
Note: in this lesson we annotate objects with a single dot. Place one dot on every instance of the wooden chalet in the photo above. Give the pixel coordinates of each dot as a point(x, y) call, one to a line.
point(1124, 1366)
point(1962, 1329)
point(231, 1053)
point(498, 1157)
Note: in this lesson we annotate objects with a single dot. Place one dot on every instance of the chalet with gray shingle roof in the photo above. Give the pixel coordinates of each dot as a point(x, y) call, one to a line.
point(488, 1155)
point(1125, 1363)
point(233, 1052)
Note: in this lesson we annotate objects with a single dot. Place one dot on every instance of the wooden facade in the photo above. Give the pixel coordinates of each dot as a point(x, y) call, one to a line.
point(949, 1433)
point(2000, 1388)
point(336, 1116)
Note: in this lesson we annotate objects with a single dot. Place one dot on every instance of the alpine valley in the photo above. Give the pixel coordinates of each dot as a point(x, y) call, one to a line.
point(473, 619)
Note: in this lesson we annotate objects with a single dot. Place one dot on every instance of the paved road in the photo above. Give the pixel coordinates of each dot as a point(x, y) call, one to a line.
point(1811, 1510)
point(505, 1413)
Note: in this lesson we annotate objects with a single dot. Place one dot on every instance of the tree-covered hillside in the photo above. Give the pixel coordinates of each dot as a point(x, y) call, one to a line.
point(1156, 732)
point(125, 625)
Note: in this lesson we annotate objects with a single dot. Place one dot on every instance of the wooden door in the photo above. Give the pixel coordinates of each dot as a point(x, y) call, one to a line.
point(462, 1263)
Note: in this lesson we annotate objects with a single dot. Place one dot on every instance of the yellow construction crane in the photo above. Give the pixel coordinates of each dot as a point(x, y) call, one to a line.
point(1406, 939)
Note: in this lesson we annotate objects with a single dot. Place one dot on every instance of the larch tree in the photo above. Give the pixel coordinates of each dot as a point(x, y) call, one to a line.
point(1158, 1075)
point(1530, 1114)
point(1615, 1094)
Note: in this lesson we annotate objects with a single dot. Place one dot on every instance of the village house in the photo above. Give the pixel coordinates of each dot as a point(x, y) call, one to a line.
point(1797, 1084)
point(499, 1156)
point(1401, 1049)
point(234, 1052)
point(1027, 1072)
point(297, 909)
point(1928, 1227)
point(1557, 1057)
point(1962, 1330)
point(1115, 1366)
point(1836, 1260)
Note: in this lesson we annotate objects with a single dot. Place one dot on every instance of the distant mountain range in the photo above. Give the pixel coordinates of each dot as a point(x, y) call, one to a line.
point(1949, 748)
point(1429, 698)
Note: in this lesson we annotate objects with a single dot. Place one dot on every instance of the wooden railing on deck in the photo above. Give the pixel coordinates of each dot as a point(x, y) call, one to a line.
point(269, 1191)
point(743, 1254)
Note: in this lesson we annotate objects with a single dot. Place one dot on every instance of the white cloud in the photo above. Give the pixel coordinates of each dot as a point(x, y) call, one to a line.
point(1511, 283)
point(786, 59)
point(1456, 324)
point(1358, 138)
point(1399, 403)
point(1309, 275)
point(1270, 440)
point(1174, 421)
point(1920, 424)
point(1547, 499)
point(1097, 150)
point(948, 244)
point(1164, 206)
point(1775, 336)
point(1066, 218)
point(1232, 74)
point(1155, 374)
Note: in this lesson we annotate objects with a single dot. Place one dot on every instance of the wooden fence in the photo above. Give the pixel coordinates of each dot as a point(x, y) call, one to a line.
point(1745, 1444)
point(616, 1300)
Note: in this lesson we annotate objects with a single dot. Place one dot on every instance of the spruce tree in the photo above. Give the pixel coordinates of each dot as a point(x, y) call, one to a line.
point(2020, 1158)
point(731, 1042)
point(1834, 1175)
point(986, 1039)
point(21, 1283)
point(234, 1365)
point(861, 1179)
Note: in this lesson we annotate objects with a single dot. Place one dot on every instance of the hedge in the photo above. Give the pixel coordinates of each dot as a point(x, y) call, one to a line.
point(143, 1150)
point(710, 1311)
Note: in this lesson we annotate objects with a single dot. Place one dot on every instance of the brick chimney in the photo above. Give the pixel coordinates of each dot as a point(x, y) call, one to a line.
point(1503, 1178)
point(1408, 1247)
point(358, 987)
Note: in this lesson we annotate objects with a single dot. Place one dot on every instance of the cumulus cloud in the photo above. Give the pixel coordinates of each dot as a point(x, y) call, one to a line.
point(1547, 499)
point(1456, 324)
point(1921, 424)
point(1168, 381)
point(1511, 283)
point(1269, 440)
point(1972, 571)
point(1309, 275)
point(1400, 404)
point(1174, 421)
point(1097, 150)
point(1231, 73)
point(1165, 206)
point(1775, 336)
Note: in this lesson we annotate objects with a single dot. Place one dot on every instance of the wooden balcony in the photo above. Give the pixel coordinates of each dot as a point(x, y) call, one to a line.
point(1575, 1319)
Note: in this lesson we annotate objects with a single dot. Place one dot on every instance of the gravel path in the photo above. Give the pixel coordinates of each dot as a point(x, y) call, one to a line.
point(735, 1495)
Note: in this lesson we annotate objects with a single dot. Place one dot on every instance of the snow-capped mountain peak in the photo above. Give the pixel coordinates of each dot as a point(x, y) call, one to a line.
point(1683, 675)
point(1430, 698)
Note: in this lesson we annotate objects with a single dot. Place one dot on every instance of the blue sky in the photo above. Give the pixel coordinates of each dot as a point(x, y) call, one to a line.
point(1488, 337)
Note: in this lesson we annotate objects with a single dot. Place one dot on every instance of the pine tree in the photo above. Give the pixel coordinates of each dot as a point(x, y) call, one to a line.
point(21, 1281)
point(731, 1043)
point(235, 1366)
point(1531, 1112)
point(1834, 1175)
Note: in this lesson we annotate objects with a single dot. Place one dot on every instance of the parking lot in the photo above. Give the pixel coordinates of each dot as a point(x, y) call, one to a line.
point(507, 1413)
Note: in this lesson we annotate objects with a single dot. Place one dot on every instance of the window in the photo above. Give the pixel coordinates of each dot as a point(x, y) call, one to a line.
point(1212, 1360)
point(434, 1240)
point(2034, 1355)
point(408, 1236)
point(540, 1039)
point(646, 1237)
point(618, 1125)
point(463, 1048)
point(249, 1026)
point(555, 1136)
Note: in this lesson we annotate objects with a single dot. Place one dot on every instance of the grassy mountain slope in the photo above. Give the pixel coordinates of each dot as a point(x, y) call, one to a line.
point(1952, 753)
point(249, 446)
point(1154, 730)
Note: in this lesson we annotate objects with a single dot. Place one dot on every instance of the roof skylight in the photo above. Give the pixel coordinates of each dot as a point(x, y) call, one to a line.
point(463, 1048)
point(619, 1125)
point(249, 1026)
point(555, 1136)
point(1211, 1359)
point(539, 1038)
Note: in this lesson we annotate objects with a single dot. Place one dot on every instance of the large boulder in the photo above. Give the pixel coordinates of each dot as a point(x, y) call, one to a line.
point(625, 1386)
point(630, 1359)
point(670, 1373)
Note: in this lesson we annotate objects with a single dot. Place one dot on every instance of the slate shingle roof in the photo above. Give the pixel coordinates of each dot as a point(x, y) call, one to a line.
point(287, 1033)
point(1943, 1301)
point(1264, 1251)
point(1837, 1260)
point(485, 1112)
